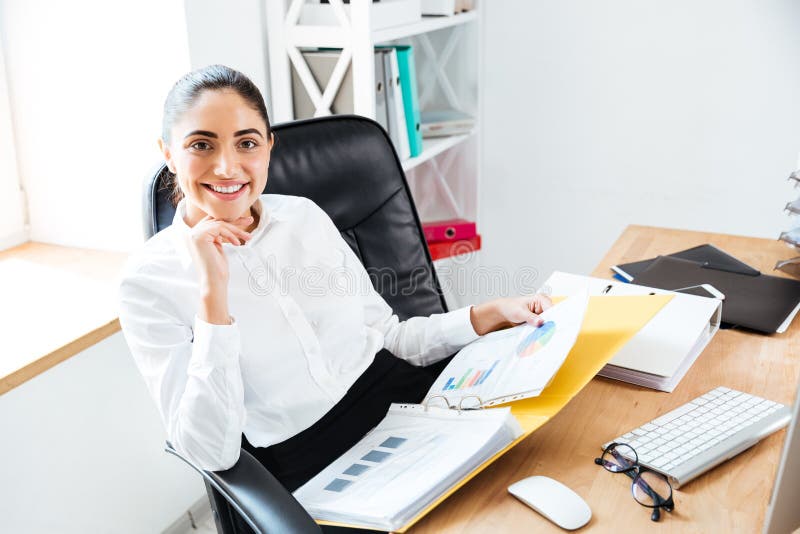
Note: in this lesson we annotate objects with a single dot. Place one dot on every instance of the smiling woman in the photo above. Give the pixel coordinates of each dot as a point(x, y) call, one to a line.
point(293, 375)
point(220, 151)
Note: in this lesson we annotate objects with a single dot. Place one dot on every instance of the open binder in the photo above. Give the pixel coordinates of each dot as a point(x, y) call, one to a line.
point(608, 324)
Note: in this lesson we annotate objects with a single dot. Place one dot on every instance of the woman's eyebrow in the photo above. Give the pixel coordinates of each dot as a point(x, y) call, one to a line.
point(205, 133)
point(248, 131)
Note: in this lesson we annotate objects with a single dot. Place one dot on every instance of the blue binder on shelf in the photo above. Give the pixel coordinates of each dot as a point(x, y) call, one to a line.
point(408, 82)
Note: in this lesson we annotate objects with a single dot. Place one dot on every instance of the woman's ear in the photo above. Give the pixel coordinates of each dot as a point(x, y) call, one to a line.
point(164, 148)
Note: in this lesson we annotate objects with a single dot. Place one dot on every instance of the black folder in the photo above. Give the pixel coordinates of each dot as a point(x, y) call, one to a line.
point(708, 255)
point(761, 302)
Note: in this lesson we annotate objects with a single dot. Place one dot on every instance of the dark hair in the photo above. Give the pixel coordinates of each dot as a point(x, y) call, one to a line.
point(186, 91)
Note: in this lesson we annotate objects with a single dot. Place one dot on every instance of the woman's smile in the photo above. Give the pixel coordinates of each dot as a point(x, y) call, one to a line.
point(228, 192)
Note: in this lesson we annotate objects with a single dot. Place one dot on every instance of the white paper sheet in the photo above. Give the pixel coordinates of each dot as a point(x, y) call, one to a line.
point(514, 363)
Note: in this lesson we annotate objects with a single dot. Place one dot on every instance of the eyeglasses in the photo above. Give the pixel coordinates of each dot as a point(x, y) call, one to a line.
point(650, 489)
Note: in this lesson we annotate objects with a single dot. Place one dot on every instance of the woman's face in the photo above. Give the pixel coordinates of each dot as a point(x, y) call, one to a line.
point(219, 151)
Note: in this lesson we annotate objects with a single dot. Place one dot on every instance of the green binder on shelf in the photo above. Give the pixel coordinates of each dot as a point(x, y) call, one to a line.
point(408, 82)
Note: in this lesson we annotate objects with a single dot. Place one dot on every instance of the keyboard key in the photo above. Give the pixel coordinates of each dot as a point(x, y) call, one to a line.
point(658, 462)
point(674, 414)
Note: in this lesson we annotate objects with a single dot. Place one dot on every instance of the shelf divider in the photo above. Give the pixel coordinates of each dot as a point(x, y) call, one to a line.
point(433, 147)
point(427, 24)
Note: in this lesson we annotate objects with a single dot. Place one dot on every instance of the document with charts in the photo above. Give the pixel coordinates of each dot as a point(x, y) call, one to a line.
point(512, 364)
point(411, 458)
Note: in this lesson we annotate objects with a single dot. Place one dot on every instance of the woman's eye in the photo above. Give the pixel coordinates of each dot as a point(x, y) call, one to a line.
point(200, 145)
point(248, 144)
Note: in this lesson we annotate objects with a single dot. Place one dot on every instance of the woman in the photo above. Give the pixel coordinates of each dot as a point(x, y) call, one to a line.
point(233, 353)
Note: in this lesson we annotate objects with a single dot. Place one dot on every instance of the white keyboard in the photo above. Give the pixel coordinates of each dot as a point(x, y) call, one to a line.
point(704, 432)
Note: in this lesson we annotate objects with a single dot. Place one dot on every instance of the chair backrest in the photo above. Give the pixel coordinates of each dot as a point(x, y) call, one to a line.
point(348, 166)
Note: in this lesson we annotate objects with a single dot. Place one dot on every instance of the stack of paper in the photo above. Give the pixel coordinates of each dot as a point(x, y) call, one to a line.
point(661, 353)
point(413, 456)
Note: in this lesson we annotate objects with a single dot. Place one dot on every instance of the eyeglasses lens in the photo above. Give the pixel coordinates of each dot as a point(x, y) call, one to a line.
point(619, 458)
point(651, 489)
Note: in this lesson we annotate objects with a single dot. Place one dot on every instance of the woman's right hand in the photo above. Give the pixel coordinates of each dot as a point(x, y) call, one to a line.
point(205, 245)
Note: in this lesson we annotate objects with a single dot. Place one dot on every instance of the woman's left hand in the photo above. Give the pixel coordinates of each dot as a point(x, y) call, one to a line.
point(505, 312)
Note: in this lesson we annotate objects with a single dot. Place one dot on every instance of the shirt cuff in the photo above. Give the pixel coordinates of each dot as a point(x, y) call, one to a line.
point(457, 327)
point(215, 345)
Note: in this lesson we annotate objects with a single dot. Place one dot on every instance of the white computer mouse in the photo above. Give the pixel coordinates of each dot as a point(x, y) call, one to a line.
point(553, 500)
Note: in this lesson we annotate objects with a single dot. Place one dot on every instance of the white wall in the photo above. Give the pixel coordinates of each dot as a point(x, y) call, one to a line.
point(12, 220)
point(87, 81)
point(82, 451)
point(231, 33)
point(599, 114)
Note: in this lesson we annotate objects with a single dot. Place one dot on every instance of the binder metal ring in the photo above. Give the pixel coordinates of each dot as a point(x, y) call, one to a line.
point(480, 403)
point(446, 401)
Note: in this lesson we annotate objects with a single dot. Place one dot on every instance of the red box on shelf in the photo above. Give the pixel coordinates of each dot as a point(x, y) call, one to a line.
point(447, 249)
point(449, 230)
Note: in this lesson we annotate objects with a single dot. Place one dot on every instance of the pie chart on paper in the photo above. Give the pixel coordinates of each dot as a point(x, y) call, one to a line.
point(536, 340)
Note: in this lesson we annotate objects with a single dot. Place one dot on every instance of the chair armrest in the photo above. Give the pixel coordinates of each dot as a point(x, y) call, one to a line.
point(257, 496)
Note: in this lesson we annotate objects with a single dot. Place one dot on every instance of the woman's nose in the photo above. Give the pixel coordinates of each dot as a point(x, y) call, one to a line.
point(227, 165)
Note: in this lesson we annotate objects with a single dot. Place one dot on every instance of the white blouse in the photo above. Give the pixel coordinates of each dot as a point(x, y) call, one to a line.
point(306, 324)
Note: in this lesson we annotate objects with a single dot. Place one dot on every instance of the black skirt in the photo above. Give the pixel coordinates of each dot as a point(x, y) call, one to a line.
point(388, 379)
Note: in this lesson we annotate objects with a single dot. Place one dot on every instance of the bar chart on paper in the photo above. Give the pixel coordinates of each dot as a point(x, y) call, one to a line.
point(536, 340)
point(471, 377)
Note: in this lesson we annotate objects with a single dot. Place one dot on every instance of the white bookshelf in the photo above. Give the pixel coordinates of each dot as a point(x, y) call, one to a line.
point(447, 55)
point(426, 25)
point(433, 147)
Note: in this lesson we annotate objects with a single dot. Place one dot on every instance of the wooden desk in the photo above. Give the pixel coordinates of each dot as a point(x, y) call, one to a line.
point(730, 498)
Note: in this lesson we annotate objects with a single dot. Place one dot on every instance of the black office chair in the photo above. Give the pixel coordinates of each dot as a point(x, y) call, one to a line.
point(348, 166)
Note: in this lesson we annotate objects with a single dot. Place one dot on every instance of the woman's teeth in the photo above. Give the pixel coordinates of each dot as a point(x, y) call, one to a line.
point(231, 189)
